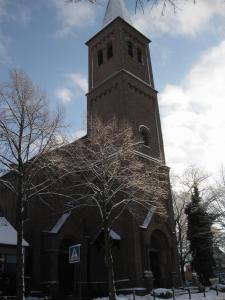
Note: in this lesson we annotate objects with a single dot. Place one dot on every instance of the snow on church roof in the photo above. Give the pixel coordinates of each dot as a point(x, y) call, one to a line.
point(8, 234)
point(116, 8)
point(60, 222)
point(148, 218)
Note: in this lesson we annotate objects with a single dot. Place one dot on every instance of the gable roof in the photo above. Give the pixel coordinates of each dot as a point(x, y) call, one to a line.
point(8, 234)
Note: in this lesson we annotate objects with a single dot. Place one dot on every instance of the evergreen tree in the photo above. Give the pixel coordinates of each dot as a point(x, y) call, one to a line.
point(200, 236)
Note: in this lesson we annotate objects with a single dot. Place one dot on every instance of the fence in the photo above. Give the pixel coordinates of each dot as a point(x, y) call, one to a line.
point(175, 292)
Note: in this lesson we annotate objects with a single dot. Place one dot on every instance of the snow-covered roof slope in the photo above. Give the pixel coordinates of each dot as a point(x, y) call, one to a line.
point(8, 234)
point(114, 235)
point(116, 8)
point(60, 222)
point(148, 218)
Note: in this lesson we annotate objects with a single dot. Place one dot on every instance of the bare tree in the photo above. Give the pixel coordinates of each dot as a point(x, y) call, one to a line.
point(182, 187)
point(27, 132)
point(180, 200)
point(194, 176)
point(217, 205)
point(108, 172)
point(139, 4)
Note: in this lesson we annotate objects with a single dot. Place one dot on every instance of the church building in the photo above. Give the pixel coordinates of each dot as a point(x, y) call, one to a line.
point(121, 86)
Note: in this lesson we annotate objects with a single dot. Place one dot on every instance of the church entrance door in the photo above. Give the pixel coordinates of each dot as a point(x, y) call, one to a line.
point(154, 266)
point(159, 256)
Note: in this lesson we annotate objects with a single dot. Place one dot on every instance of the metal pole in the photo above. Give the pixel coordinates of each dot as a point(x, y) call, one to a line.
point(189, 293)
point(153, 294)
point(204, 291)
point(133, 294)
point(173, 293)
point(88, 266)
point(80, 282)
point(74, 278)
point(217, 290)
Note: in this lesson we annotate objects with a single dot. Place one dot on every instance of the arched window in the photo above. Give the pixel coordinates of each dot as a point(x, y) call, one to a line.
point(100, 57)
point(145, 135)
point(109, 50)
point(130, 48)
point(139, 55)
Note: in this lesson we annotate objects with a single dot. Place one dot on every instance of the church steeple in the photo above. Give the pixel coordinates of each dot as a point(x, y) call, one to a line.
point(116, 8)
point(121, 83)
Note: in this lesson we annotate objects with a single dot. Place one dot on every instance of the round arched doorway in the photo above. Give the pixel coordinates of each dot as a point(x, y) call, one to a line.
point(160, 259)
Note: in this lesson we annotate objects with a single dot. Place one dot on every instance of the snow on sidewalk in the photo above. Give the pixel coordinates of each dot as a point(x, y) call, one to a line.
point(210, 295)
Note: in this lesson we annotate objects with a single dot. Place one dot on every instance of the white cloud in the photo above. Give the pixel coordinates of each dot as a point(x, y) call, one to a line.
point(75, 86)
point(79, 133)
point(189, 19)
point(193, 114)
point(13, 11)
point(80, 81)
point(73, 15)
point(64, 95)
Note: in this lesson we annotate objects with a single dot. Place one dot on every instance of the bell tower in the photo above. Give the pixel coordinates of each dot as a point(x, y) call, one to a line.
point(121, 82)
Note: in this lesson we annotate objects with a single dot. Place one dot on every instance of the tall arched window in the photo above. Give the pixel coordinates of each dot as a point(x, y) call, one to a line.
point(139, 55)
point(109, 50)
point(145, 135)
point(100, 57)
point(130, 48)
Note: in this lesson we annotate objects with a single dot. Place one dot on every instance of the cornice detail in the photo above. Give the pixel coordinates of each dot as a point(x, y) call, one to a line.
point(105, 92)
point(104, 38)
point(139, 90)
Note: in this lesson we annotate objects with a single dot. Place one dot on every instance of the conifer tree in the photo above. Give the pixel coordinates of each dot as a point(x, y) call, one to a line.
point(200, 236)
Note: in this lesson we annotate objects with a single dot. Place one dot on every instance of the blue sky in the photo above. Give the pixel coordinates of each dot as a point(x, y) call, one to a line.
point(46, 39)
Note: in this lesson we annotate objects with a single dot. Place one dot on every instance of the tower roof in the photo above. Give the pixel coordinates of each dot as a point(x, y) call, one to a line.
point(116, 8)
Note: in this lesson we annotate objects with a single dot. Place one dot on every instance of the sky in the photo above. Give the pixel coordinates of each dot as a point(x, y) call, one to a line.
point(46, 39)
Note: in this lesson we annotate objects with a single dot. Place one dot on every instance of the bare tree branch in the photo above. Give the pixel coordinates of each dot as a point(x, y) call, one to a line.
point(28, 136)
point(114, 177)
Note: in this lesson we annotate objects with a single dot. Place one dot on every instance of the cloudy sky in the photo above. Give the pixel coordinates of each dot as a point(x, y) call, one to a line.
point(47, 39)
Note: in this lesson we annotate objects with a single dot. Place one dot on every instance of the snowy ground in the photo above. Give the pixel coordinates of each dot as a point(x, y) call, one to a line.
point(211, 295)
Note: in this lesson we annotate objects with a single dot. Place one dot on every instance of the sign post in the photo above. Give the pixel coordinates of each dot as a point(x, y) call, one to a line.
point(74, 257)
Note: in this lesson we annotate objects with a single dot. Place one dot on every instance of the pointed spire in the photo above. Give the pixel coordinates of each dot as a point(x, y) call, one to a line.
point(116, 8)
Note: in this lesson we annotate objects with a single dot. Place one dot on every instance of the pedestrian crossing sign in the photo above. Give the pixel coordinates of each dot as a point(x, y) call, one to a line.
point(74, 254)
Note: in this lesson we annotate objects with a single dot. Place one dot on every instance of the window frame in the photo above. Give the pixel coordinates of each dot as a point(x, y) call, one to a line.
point(109, 50)
point(139, 55)
point(145, 135)
point(130, 48)
point(100, 59)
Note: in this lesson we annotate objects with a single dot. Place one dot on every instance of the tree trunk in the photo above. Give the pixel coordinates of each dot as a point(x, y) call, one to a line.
point(109, 262)
point(20, 254)
point(182, 269)
point(181, 254)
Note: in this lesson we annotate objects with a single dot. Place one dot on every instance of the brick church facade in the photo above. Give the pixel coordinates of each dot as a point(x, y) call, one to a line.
point(121, 86)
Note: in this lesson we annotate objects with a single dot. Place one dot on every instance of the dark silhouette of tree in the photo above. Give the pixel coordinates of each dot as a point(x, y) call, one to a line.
point(200, 237)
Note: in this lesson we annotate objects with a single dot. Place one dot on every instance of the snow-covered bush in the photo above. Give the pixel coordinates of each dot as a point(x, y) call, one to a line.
point(163, 293)
point(220, 287)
